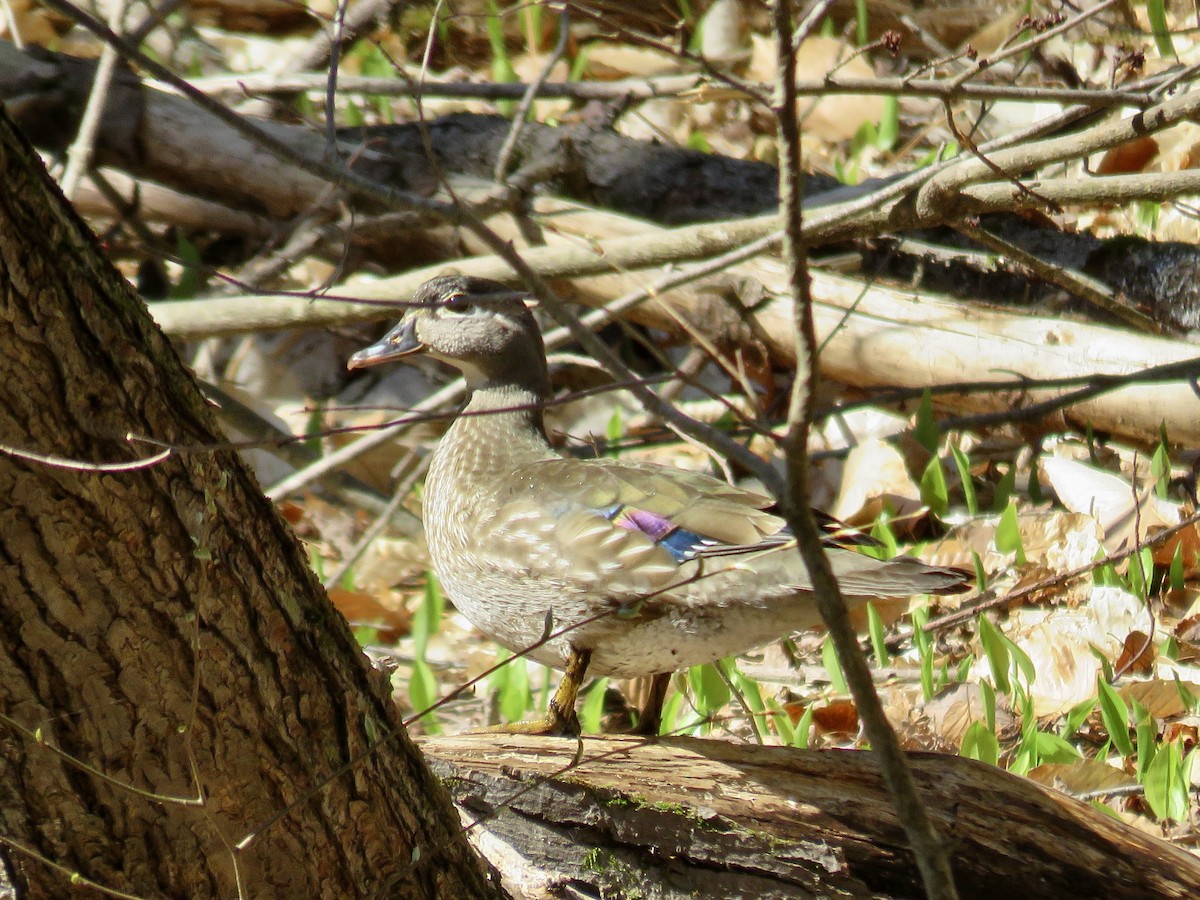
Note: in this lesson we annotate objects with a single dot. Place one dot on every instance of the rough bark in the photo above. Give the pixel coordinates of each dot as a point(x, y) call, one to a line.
point(679, 818)
point(161, 634)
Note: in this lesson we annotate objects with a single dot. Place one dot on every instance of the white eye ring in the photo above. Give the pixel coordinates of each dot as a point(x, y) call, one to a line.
point(457, 303)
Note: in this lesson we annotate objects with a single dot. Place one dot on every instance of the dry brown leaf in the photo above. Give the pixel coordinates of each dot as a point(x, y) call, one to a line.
point(1187, 542)
point(723, 34)
point(1086, 776)
point(838, 717)
point(950, 713)
point(1058, 642)
point(35, 25)
point(1187, 651)
point(1059, 540)
point(609, 62)
point(834, 118)
point(1137, 656)
point(856, 426)
point(1186, 733)
point(1054, 541)
point(389, 562)
point(1189, 629)
point(293, 513)
point(889, 609)
point(1180, 148)
point(528, 67)
point(1125, 513)
point(1160, 697)
point(1179, 604)
point(874, 474)
point(1133, 156)
point(386, 613)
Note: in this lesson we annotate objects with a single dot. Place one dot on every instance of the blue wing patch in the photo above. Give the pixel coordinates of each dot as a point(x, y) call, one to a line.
point(684, 545)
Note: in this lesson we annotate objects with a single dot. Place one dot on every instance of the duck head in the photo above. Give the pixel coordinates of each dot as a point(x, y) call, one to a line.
point(480, 327)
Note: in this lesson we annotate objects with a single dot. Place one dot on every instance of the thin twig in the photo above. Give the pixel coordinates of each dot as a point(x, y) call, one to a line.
point(685, 86)
point(1040, 38)
point(79, 155)
point(504, 157)
point(331, 80)
point(927, 847)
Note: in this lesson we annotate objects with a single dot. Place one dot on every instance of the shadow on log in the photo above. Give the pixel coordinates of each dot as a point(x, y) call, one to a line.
point(683, 817)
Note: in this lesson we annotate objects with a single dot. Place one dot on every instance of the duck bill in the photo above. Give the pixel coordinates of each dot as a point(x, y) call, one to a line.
point(401, 341)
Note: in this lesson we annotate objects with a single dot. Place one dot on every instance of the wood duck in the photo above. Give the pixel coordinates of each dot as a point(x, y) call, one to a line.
point(631, 569)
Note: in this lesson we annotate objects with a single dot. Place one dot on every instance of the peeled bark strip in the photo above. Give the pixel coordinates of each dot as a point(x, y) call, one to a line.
point(680, 818)
point(161, 625)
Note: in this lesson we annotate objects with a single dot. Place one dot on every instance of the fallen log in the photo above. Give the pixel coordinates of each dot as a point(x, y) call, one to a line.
point(684, 817)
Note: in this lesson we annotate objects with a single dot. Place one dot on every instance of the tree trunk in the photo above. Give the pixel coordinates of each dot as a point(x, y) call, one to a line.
point(161, 634)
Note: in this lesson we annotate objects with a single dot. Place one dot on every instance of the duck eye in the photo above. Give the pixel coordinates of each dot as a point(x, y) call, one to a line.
point(458, 303)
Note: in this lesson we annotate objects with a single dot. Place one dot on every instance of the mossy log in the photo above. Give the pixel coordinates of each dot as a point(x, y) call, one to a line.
point(674, 818)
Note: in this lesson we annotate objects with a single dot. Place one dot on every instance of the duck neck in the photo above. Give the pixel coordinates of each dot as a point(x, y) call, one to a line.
point(503, 424)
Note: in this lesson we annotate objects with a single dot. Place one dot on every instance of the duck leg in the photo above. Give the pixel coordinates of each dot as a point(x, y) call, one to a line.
point(561, 713)
point(560, 718)
point(650, 716)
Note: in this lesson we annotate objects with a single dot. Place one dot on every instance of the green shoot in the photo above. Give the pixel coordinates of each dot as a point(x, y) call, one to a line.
point(1186, 696)
point(924, 644)
point(878, 641)
point(709, 690)
point(981, 579)
point(511, 686)
point(1146, 731)
point(1160, 468)
point(1141, 571)
point(189, 275)
point(862, 22)
point(889, 124)
point(1146, 213)
point(1156, 12)
point(1115, 715)
point(427, 618)
point(1076, 716)
point(963, 465)
point(989, 705)
point(881, 530)
point(614, 430)
point(1166, 784)
point(925, 431)
point(995, 648)
point(1050, 748)
point(1008, 534)
point(981, 744)
point(422, 695)
point(502, 67)
point(1004, 488)
point(934, 492)
point(833, 668)
point(592, 708)
point(1176, 571)
point(670, 713)
point(803, 730)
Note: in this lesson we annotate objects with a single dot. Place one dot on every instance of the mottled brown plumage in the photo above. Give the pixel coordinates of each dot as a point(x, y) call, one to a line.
point(659, 568)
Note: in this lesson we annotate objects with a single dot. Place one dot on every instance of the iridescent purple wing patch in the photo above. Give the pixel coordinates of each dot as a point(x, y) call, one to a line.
point(679, 542)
